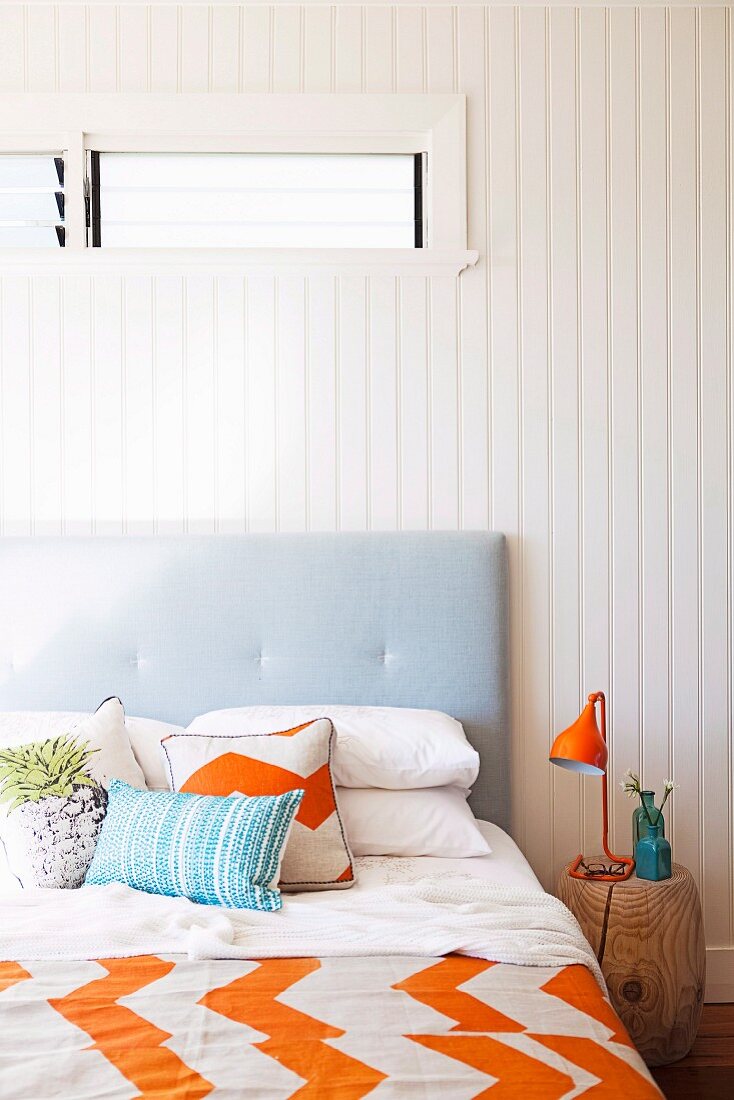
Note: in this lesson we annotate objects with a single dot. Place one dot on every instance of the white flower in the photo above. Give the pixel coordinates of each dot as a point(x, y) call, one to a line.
point(630, 783)
point(669, 785)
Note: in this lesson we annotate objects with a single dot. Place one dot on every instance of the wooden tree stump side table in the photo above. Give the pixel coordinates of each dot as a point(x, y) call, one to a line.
point(648, 938)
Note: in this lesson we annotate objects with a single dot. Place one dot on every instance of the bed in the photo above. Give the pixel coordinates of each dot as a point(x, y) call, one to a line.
point(430, 977)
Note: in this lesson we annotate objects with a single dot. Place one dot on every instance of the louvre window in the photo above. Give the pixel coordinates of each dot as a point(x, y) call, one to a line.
point(256, 200)
point(31, 201)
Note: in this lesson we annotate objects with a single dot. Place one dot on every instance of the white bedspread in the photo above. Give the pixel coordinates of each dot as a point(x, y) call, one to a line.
point(424, 918)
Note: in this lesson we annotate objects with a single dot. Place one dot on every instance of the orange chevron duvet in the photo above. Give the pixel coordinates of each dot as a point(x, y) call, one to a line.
point(173, 1029)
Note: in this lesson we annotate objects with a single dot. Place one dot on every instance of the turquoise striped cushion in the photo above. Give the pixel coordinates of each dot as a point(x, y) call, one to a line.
point(218, 851)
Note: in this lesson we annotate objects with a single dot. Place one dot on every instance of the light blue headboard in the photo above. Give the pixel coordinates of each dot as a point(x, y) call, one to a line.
point(179, 626)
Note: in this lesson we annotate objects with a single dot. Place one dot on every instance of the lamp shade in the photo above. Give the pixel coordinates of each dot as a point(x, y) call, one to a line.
point(581, 747)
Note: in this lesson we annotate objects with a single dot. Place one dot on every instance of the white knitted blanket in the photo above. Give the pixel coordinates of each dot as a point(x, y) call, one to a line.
point(425, 918)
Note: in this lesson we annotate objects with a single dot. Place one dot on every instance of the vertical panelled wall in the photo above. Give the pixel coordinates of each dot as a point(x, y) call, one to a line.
point(574, 390)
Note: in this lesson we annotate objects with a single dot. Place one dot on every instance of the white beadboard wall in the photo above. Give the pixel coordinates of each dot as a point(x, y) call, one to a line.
point(574, 390)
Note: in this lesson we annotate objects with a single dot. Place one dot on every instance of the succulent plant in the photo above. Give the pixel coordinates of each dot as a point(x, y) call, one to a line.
point(29, 773)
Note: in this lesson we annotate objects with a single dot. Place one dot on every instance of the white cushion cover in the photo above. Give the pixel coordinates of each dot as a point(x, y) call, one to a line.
point(317, 855)
point(432, 821)
point(53, 837)
point(105, 728)
point(146, 735)
point(394, 748)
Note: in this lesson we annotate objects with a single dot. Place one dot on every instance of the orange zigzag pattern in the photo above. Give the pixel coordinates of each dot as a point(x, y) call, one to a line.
point(129, 1042)
point(518, 1073)
point(576, 986)
point(234, 772)
point(616, 1077)
point(296, 1039)
point(10, 974)
point(437, 987)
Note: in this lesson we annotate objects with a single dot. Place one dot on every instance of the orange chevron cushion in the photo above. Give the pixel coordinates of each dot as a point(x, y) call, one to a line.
point(317, 855)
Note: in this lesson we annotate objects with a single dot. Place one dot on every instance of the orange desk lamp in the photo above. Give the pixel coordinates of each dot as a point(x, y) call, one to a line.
point(583, 748)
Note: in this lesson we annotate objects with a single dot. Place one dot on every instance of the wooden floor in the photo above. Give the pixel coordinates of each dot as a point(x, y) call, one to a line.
point(707, 1073)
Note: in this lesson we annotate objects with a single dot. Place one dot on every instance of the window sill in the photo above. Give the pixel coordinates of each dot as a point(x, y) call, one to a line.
point(237, 261)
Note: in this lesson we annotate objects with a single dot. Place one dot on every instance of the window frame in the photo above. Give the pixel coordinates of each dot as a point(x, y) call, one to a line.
point(269, 122)
point(95, 213)
point(57, 224)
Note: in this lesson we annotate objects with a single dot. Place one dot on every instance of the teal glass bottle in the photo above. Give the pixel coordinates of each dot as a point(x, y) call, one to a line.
point(640, 823)
point(652, 856)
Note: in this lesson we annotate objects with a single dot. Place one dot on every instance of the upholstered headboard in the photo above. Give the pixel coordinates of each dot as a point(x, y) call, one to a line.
point(179, 626)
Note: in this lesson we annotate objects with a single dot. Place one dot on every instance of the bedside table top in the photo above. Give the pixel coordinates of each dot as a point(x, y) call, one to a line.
point(680, 875)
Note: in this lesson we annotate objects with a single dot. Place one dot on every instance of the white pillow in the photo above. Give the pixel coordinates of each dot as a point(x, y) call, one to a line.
point(394, 748)
point(56, 768)
point(146, 735)
point(106, 728)
point(433, 821)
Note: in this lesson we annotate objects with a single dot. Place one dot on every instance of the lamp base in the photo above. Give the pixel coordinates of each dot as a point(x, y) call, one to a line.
point(629, 865)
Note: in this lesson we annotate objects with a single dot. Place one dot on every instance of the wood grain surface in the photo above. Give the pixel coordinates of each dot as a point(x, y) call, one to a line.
point(648, 938)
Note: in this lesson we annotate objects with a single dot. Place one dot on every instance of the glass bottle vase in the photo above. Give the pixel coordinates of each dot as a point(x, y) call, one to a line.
point(652, 856)
point(640, 824)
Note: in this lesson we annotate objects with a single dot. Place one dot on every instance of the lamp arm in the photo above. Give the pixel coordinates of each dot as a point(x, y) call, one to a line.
point(601, 699)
